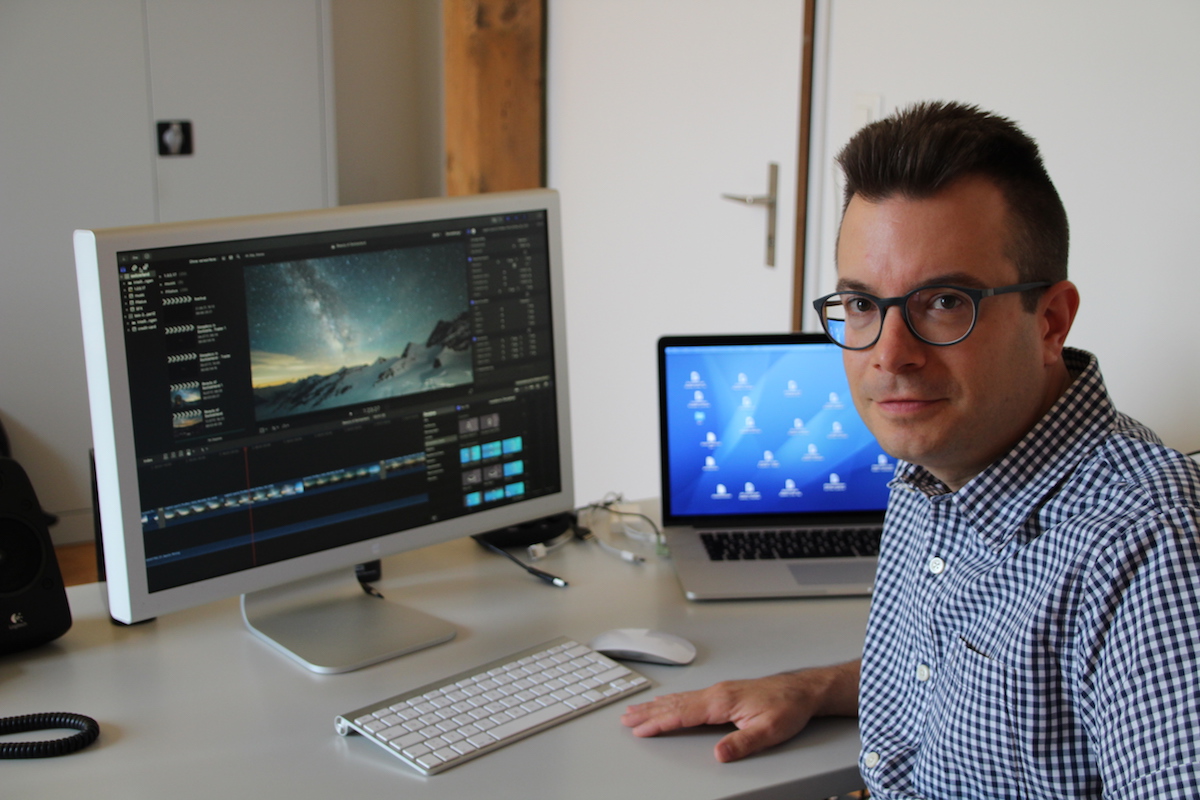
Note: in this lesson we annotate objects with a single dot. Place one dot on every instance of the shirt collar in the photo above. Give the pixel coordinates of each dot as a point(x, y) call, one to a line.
point(998, 501)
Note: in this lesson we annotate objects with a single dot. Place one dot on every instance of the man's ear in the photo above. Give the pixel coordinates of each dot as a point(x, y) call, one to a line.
point(1056, 312)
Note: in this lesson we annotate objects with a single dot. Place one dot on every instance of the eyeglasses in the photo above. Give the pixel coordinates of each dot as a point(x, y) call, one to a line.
point(937, 315)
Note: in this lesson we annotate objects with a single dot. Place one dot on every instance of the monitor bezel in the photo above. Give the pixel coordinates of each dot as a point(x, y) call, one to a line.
point(117, 487)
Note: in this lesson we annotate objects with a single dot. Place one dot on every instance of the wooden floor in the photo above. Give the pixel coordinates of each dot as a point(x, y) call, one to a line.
point(77, 562)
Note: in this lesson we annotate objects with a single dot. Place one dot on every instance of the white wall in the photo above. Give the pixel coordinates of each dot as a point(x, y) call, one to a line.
point(1109, 91)
point(655, 108)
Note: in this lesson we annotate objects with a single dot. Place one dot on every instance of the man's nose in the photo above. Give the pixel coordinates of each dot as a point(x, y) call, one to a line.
point(898, 349)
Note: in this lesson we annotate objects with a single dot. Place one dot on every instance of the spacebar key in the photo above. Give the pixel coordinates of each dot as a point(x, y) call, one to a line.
point(507, 730)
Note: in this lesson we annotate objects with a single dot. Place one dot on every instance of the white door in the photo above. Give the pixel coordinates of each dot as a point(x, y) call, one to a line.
point(655, 109)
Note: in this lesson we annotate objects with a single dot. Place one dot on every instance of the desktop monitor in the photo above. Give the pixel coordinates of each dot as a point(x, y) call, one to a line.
point(275, 399)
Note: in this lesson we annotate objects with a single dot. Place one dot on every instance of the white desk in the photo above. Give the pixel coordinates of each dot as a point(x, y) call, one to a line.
point(192, 705)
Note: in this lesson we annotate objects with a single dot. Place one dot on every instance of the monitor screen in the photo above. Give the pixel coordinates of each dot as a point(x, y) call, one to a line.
point(764, 425)
point(278, 396)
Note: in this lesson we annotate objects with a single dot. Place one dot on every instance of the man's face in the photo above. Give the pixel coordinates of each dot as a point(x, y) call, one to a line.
point(956, 409)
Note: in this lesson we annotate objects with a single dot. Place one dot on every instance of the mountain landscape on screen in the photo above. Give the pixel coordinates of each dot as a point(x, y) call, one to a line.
point(442, 360)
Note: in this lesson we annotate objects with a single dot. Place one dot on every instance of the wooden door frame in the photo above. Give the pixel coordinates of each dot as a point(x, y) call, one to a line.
point(495, 94)
point(799, 274)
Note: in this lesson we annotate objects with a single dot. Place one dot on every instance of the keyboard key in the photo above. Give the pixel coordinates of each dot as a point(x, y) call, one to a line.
point(408, 740)
point(464, 747)
point(528, 721)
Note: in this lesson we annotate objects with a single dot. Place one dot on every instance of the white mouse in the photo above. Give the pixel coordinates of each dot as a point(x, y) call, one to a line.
point(643, 644)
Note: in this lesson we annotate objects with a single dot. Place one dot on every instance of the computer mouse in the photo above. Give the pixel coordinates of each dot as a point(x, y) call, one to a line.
point(643, 644)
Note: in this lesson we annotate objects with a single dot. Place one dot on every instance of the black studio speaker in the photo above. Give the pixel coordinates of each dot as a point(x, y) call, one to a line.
point(33, 601)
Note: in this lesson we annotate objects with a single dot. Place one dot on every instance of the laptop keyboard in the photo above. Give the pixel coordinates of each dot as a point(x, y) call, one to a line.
point(805, 543)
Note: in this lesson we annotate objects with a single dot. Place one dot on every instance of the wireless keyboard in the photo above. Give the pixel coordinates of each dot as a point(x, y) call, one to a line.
point(451, 721)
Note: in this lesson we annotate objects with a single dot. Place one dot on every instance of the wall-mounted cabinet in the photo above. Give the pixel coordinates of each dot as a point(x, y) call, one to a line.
point(82, 88)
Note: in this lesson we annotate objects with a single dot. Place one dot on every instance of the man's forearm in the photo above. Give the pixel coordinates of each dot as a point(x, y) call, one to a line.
point(839, 689)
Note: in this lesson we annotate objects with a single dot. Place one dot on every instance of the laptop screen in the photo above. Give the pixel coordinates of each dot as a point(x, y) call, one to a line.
point(764, 426)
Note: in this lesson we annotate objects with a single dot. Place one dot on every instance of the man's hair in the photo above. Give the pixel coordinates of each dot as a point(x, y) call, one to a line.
point(924, 148)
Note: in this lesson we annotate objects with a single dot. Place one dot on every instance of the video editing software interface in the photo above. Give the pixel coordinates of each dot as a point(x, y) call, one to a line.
point(768, 429)
point(303, 392)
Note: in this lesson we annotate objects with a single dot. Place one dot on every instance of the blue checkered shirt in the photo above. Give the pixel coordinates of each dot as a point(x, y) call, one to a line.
point(1037, 633)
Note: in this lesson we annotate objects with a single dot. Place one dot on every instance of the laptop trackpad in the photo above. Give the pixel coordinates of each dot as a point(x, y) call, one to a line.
point(834, 573)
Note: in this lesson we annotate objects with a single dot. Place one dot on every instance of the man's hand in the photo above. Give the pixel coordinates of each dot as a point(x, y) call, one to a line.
point(766, 711)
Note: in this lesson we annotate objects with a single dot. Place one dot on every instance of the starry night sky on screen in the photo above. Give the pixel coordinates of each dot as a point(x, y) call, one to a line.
point(314, 317)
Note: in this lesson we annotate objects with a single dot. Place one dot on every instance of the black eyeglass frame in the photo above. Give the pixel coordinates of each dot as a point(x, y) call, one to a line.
point(884, 303)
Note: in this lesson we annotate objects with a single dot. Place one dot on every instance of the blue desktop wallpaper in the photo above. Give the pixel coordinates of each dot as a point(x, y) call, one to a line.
point(768, 429)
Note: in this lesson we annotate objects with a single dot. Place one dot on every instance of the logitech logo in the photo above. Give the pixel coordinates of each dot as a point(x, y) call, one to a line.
point(17, 620)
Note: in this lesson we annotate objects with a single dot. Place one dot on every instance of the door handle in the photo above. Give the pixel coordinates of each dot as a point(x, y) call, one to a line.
point(769, 201)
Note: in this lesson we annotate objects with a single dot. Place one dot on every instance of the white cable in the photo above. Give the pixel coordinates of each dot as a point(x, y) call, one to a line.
point(542, 549)
point(612, 503)
point(637, 532)
point(624, 555)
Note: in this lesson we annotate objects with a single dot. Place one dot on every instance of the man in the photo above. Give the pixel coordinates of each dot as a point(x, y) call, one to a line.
point(1035, 626)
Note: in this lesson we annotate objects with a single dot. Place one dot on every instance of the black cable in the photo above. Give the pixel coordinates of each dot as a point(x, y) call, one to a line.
point(607, 505)
point(611, 500)
point(553, 580)
point(88, 729)
point(371, 590)
point(367, 573)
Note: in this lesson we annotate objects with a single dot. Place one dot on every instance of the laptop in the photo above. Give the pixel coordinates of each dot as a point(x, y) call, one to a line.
point(759, 435)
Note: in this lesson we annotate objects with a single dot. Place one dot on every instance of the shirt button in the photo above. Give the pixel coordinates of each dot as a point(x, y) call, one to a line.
point(937, 566)
point(871, 760)
point(923, 672)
